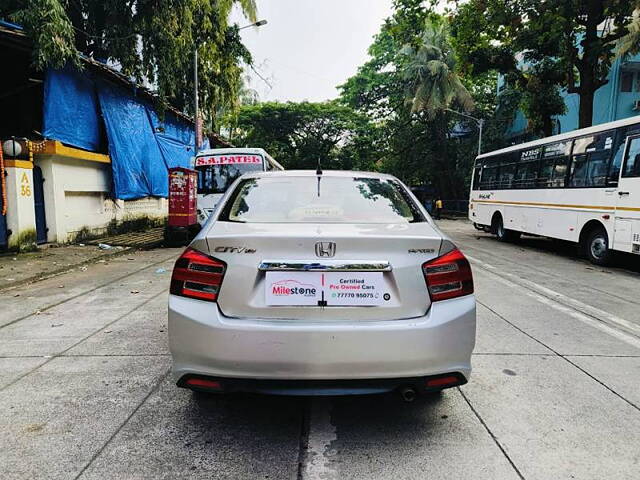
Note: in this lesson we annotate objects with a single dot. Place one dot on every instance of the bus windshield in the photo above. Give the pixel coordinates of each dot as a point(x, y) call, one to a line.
point(217, 172)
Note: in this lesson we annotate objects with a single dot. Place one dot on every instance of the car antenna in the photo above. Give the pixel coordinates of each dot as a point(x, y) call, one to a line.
point(319, 169)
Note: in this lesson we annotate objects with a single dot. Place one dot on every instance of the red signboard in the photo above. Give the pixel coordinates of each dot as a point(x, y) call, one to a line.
point(228, 159)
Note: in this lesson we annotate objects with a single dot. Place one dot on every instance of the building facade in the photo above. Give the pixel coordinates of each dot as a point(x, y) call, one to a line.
point(618, 99)
point(83, 150)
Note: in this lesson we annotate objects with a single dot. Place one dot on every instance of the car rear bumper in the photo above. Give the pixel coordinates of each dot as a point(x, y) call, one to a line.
point(204, 342)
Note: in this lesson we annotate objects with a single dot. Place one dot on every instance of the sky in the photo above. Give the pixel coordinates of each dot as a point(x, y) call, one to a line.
point(308, 47)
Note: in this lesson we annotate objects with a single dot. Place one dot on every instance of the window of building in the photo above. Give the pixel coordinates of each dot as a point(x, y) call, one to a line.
point(626, 81)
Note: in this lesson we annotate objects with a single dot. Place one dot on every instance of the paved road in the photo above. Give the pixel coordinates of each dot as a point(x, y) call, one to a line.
point(85, 391)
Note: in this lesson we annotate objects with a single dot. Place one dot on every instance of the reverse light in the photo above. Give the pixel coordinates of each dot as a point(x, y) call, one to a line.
point(197, 275)
point(448, 276)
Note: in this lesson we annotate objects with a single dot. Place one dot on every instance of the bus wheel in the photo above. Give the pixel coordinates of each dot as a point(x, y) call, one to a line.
point(597, 247)
point(503, 234)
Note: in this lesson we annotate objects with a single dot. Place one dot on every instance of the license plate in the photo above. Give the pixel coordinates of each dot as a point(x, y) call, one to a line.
point(325, 288)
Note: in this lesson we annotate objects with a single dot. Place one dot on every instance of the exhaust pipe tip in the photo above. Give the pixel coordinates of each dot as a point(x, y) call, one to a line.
point(408, 394)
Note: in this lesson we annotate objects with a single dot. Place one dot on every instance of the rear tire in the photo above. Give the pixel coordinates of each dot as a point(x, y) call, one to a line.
point(596, 247)
point(503, 234)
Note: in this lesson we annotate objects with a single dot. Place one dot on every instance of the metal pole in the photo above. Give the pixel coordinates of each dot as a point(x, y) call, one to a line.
point(479, 121)
point(195, 98)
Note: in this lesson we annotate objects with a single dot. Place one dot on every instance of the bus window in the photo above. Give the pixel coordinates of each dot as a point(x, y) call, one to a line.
point(597, 169)
point(508, 165)
point(527, 174)
point(527, 171)
point(616, 163)
point(581, 145)
point(546, 171)
point(553, 167)
point(578, 175)
point(559, 177)
point(632, 161)
point(590, 162)
point(489, 177)
point(476, 176)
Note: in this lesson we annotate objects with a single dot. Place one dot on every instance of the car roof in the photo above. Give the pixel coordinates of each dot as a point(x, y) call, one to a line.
point(313, 173)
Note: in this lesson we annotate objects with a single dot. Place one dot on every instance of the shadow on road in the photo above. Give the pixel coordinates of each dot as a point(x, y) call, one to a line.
point(622, 261)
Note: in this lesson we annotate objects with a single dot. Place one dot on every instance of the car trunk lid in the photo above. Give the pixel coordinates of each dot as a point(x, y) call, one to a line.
point(346, 264)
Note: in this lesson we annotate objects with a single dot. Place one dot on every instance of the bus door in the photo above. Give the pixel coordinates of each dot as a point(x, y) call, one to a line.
point(627, 232)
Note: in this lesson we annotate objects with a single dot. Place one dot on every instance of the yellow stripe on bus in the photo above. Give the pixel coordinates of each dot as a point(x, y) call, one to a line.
point(560, 205)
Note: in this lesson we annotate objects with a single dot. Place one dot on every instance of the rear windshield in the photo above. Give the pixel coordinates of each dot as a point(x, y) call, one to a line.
point(320, 199)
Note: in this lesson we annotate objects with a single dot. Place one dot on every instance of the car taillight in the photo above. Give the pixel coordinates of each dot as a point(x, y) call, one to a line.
point(448, 276)
point(197, 275)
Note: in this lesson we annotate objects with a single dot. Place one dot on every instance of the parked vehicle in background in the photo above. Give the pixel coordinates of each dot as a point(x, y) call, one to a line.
point(318, 283)
point(582, 186)
point(218, 168)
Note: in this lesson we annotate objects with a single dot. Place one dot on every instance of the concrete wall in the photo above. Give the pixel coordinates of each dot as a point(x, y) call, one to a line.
point(76, 189)
point(77, 198)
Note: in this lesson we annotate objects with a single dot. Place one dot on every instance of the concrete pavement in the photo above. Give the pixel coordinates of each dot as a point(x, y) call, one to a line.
point(85, 391)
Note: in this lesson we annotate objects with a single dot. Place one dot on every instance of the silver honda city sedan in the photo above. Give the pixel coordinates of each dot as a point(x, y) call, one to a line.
point(321, 283)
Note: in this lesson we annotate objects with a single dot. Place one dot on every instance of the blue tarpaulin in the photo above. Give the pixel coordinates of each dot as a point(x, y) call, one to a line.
point(71, 112)
point(138, 166)
point(175, 139)
point(77, 110)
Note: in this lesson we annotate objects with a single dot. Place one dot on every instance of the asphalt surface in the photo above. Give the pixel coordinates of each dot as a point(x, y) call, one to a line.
point(85, 391)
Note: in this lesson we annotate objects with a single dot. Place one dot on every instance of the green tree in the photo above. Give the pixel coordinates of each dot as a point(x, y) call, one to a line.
point(433, 84)
point(151, 41)
point(411, 144)
point(378, 90)
point(300, 134)
point(630, 43)
point(568, 44)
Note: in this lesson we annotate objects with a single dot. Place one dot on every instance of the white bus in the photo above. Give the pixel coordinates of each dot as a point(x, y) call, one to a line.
point(582, 186)
point(218, 168)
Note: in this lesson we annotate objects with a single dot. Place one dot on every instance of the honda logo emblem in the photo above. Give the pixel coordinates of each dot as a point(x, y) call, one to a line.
point(325, 249)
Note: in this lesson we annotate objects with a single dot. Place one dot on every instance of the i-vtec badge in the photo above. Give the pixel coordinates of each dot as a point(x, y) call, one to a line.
point(234, 250)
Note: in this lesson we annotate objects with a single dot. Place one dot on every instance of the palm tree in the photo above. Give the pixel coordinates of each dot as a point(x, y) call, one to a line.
point(433, 84)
